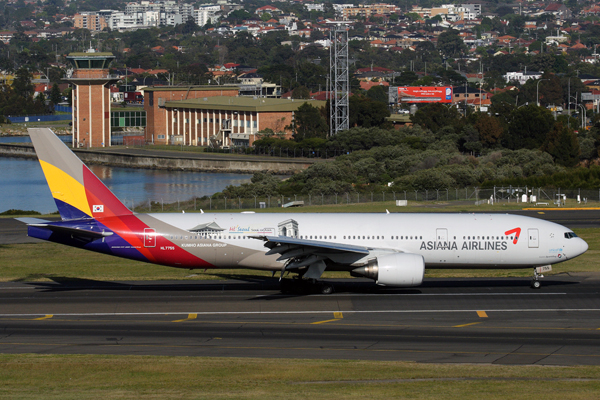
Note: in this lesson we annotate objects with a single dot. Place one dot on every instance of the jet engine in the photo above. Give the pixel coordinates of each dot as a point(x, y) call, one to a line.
point(397, 269)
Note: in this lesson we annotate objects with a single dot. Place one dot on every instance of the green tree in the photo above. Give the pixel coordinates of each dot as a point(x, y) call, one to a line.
point(22, 83)
point(528, 128)
point(551, 91)
point(55, 95)
point(378, 93)
point(367, 113)
point(434, 116)
point(490, 130)
point(309, 123)
point(451, 44)
point(562, 144)
point(301, 92)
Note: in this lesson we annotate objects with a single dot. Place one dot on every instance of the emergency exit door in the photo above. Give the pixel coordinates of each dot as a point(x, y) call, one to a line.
point(533, 238)
point(441, 235)
point(149, 237)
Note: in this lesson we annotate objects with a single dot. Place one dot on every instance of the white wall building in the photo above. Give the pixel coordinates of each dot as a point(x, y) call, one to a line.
point(206, 14)
point(522, 77)
point(314, 7)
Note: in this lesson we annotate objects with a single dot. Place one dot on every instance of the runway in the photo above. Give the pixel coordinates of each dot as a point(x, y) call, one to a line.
point(494, 321)
point(497, 321)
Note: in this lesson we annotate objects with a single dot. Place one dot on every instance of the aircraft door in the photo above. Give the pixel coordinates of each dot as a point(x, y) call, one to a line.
point(441, 235)
point(533, 238)
point(149, 237)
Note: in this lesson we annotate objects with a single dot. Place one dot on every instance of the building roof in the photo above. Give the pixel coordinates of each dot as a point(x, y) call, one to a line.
point(90, 55)
point(191, 88)
point(243, 104)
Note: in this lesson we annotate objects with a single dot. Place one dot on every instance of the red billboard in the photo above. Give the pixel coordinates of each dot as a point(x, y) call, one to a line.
point(425, 94)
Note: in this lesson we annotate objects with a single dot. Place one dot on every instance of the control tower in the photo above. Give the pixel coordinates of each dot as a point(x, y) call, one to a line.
point(91, 98)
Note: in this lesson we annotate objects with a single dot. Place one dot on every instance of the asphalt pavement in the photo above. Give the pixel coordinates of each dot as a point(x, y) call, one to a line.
point(497, 321)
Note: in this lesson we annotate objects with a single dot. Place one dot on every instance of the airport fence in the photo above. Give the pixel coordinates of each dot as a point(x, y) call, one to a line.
point(39, 118)
point(552, 197)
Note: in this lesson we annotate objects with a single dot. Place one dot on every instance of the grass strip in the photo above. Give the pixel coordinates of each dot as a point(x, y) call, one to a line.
point(78, 377)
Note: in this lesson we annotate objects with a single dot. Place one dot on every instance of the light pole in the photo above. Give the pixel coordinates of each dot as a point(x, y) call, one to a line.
point(569, 105)
point(583, 116)
point(576, 105)
point(538, 91)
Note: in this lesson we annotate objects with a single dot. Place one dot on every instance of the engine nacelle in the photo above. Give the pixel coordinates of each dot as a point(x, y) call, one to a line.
point(398, 269)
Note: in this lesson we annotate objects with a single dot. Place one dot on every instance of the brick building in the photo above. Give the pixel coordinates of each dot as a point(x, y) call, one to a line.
point(225, 120)
point(156, 97)
point(91, 98)
point(90, 21)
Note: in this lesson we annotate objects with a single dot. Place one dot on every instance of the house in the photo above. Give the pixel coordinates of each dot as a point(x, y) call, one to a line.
point(268, 9)
point(560, 11)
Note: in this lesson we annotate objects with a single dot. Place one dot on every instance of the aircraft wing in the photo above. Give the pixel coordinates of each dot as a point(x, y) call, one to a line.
point(311, 255)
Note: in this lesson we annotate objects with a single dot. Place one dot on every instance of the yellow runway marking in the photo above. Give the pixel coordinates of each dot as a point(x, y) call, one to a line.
point(482, 314)
point(336, 315)
point(541, 212)
point(48, 316)
point(462, 326)
point(564, 209)
point(189, 318)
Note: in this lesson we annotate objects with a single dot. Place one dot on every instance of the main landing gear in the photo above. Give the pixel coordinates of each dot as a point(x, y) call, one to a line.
point(305, 286)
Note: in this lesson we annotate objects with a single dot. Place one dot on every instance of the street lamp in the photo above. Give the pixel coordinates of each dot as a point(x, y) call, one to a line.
point(583, 116)
point(538, 91)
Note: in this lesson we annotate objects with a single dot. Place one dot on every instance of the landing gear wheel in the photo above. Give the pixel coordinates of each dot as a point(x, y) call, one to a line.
point(286, 286)
point(535, 283)
point(326, 288)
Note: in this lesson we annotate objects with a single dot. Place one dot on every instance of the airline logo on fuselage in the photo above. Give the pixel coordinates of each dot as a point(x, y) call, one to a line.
point(479, 244)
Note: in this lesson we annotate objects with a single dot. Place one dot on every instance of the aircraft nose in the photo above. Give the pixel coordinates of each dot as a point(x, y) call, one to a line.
point(581, 246)
point(584, 246)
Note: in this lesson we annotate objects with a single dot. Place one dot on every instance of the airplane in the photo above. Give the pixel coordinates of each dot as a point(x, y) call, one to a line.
point(393, 249)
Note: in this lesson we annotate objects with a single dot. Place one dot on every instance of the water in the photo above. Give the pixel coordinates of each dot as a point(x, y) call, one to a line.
point(24, 187)
point(27, 139)
point(114, 140)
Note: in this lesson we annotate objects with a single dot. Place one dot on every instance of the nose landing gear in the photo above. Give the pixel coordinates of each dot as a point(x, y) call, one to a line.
point(537, 274)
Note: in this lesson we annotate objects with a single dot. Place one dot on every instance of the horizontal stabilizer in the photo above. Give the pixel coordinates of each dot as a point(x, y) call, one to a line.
point(73, 231)
point(31, 221)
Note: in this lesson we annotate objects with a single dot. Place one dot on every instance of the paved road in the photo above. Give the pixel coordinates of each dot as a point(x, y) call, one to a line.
point(12, 231)
point(499, 321)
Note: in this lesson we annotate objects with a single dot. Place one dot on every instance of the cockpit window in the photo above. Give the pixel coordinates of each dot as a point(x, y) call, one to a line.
point(569, 235)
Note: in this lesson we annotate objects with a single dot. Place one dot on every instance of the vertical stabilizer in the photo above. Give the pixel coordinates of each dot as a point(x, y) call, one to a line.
point(78, 193)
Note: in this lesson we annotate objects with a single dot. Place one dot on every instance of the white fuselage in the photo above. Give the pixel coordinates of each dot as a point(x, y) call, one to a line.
point(444, 240)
